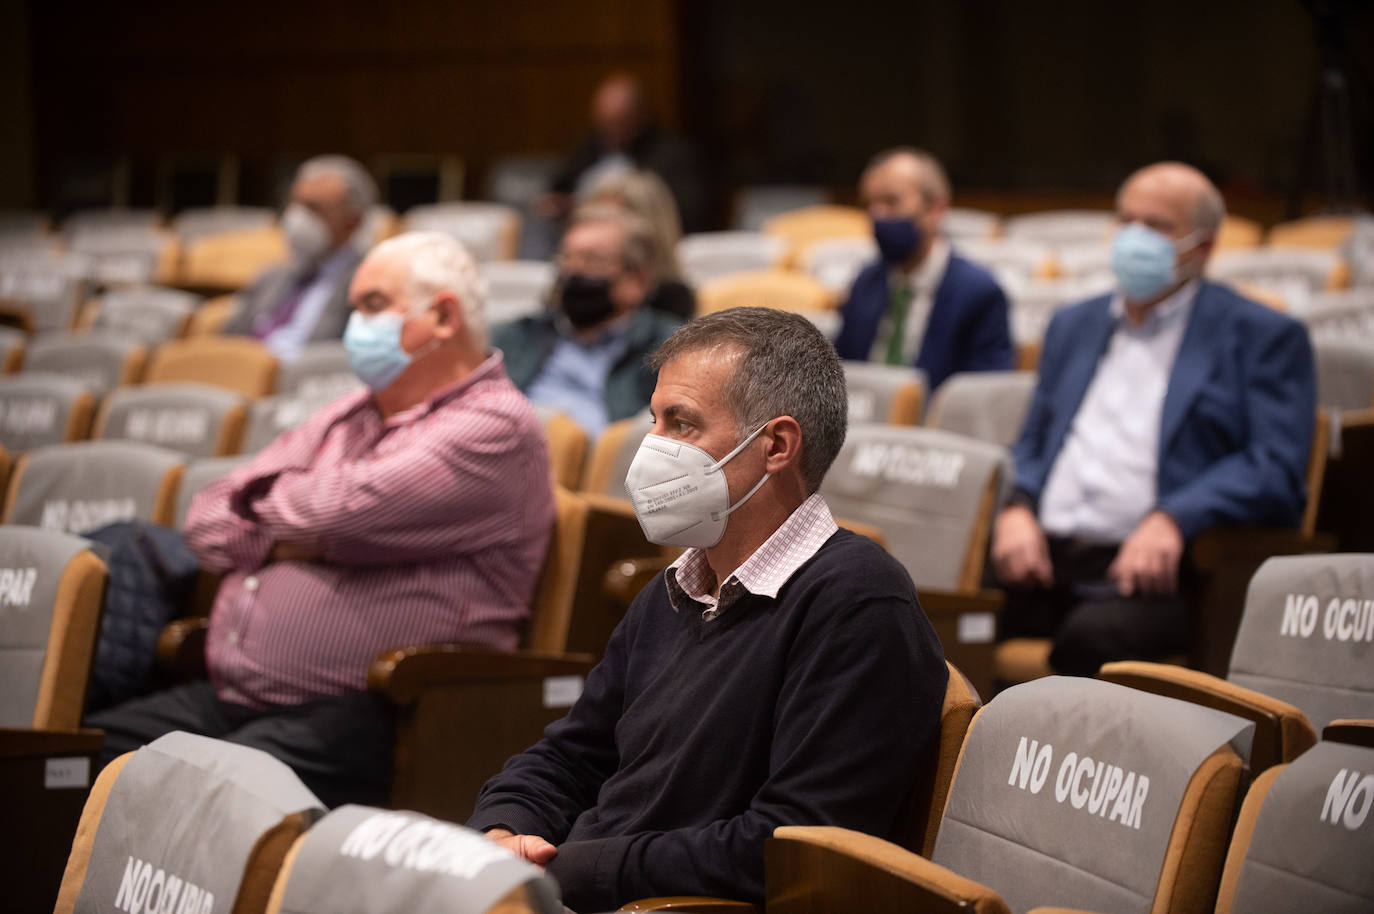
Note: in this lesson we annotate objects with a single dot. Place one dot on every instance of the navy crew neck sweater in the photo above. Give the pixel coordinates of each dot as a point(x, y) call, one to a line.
point(693, 740)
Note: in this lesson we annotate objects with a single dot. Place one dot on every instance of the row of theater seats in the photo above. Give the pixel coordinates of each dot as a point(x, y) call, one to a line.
point(1064, 793)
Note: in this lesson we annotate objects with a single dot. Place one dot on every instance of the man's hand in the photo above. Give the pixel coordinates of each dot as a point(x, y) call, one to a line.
point(529, 847)
point(1020, 552)
point(293, 552)
point(1148, 561)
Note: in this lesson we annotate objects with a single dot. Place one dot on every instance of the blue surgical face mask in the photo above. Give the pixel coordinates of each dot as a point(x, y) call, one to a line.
point(1145, 261)
point(897, 239)
point(374, 348)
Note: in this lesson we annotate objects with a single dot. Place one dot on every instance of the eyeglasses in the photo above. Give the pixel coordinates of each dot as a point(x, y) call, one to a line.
point(578, 262)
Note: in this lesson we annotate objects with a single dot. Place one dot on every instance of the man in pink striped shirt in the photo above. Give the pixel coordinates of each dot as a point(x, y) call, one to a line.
point(415, 512)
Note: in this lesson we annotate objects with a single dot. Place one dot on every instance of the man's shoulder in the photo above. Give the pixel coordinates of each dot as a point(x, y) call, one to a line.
point(1242, 312)
point(857, 569)
point(965, 277)
point(521, 331)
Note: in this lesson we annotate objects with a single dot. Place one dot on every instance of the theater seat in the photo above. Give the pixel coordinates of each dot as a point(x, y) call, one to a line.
point(194, 419)
point(12, 344)
point(52, 589)
point(210, 317)
point(81, 486)
point(102, 362)
point(151, 314)
point(362, 860)
point(567, 446)
point(199, 474)
point(1305, 839)
point(706, 256)
point(800, 227)
point(987, 405)
point(891, 394)
point(933, 495)
point(1301, 657)
point(612, 454)
point(1069, 792)
point(226, 261)
point(235, 363)
point(201, 822)
point(38, 409)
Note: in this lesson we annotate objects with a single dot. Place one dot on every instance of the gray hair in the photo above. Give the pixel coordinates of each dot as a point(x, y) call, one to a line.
point(637, 251)
point(786, 368)
point(1209, 209)
point(359, 187)
point(933, 181)
point(438, 262)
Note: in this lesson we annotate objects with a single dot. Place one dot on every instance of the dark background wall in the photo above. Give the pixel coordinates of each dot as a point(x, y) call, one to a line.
point(1057, 98)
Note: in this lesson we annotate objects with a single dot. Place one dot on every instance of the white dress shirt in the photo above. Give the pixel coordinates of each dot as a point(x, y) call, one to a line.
point(287, 340)
point(923, 281)
point(1104, 480)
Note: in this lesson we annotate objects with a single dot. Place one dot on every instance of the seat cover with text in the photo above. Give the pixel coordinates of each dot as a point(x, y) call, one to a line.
point(80, 486)
point(35, 408)
point(189, 418)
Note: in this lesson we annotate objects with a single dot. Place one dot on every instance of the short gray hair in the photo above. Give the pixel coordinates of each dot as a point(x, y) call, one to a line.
point(933, 182)
point(1209, 210)
point(438, 262)
point(359, 187)
point(637, 252)
point(786, 368)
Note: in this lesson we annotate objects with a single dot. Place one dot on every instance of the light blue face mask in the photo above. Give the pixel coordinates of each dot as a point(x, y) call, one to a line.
point(1145, 261)
point(374, 348)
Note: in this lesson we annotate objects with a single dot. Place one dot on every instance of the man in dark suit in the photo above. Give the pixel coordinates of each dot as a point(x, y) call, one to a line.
point(1166, 407)
point(921, 303)
point(306, 299)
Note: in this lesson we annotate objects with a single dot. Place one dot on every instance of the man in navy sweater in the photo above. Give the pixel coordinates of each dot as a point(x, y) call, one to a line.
point(779, 672)
point(921, 303)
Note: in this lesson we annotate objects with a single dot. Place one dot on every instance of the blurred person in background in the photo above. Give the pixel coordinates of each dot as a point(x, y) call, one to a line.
point(644, 194)
point(920, 303)
point(305, 300)
point(586, 355)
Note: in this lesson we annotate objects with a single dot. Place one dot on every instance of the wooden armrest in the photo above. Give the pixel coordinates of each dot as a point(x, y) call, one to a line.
point(1061, 911)
point(948, 601)
point(868, 872)
point(181, 647)
point(402, 674)
point(1347, 730)
point(627, 577)
point(1282, 730)
point(696, 904)
point(16, 742)
point(1216, 545)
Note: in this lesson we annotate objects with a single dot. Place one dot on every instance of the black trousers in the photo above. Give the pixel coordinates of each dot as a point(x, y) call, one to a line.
point(1091, 623)
point(340, 747)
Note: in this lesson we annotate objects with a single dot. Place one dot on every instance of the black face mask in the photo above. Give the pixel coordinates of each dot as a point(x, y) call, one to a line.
point(585, 300)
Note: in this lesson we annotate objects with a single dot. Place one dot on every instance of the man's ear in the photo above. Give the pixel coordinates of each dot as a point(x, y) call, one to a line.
point(448, 315)
point(784, 445)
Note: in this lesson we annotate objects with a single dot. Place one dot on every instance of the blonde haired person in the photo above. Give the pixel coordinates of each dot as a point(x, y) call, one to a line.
point(643, 194)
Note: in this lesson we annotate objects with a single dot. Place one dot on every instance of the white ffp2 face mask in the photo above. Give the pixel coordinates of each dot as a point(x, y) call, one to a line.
point(306, 232)
point(679, 491)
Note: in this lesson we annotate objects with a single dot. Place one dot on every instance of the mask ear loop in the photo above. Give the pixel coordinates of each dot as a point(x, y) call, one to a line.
point(720, 463)
point(741, 446)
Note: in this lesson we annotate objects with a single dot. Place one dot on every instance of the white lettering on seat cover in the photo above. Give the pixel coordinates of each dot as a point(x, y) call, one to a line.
point(915, 466)
point(168, 426)
point(146, 889)
point(423, 845)
point(82, 516)
point(1096, 787)
point(1348, 799)
point(16, 586)
point(1344, 619)
point(22, 417)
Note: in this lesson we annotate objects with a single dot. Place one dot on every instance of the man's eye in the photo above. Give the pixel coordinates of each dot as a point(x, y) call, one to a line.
point(683, 428)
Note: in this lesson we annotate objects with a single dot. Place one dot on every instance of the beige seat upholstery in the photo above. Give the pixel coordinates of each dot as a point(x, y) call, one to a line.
point(1312, 232)
point(1069, 792)
point(210, 317)
point(12, 343)
point(235, 363)
point(196, 419)
point(779, 289)
point(79, 487)
point(39, 409)
point(891, 394)
point(227, 261)
point(707, 256)
point(567, 446)
point(139, 842)
point(361, 860)
point(1301, 657)
point(612, 454)
point(800, 227)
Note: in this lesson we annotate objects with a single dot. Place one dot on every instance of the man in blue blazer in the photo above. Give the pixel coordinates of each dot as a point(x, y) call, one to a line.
point(1164, 408)
point(921, 303)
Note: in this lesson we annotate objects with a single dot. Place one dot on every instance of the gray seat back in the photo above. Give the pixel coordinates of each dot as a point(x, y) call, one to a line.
point(1068, 789)
point(872, 387)
point(180, 824)
point(97, 360)
point(320, 372)
point(988, 405)
point(84, 485)
point(268, 417)
point(1345, 374)
point(924, 488)
point(1307, 635)
point(150, 313)
point(189, 418)
point(49, 296)
point(36, 407)
point(359, 859)
point(1313, 841)
point(199, 475)
point(32, 563)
